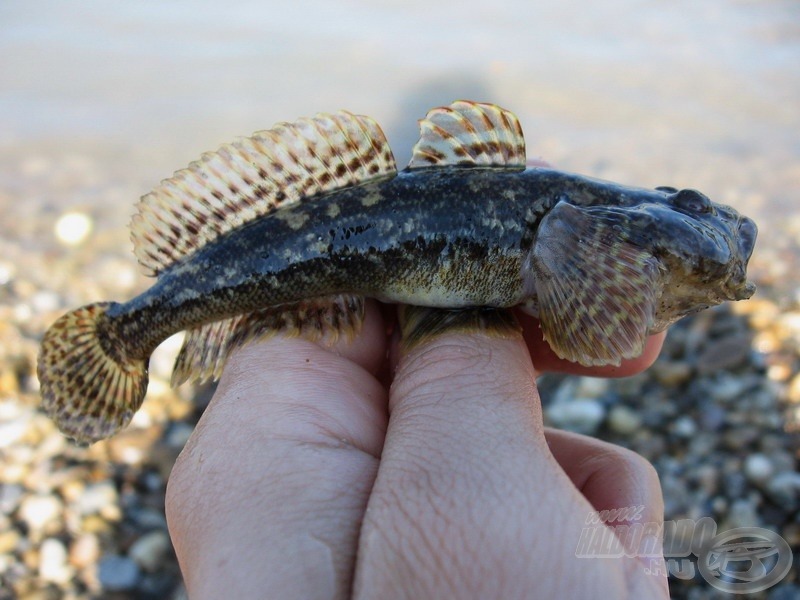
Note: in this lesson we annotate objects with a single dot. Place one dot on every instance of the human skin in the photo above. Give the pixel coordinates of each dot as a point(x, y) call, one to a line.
point(361, 470)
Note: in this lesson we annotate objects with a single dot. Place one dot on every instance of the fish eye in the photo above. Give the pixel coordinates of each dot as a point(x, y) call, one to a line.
point(667, 188)
point(692, 201)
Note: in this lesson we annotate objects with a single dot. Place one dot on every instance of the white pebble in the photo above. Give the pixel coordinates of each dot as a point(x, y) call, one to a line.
point(73, 228)
point(758, 468)
point(98, 498)
point(38, 511)
point(150, 549)
point(624, 420)
point(53, 565)
point(591, 387)
point(7, 272)
point(582, 415)
point(684, 427)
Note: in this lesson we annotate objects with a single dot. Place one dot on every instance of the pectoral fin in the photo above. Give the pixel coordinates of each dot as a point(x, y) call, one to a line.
point(596, 292)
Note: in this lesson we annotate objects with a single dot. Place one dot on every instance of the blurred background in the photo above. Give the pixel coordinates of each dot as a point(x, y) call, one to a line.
point(101, 100)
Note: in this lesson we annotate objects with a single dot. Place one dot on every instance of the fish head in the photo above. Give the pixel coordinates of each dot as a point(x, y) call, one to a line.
point(702, 249)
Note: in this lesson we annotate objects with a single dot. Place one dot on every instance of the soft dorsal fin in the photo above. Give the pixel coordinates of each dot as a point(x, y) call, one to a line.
point(254, 176)
point(469, 134)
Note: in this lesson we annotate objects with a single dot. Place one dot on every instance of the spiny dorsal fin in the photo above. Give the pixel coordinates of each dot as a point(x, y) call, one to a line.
point(207, 347)
point(470, 134)
point(254, 176)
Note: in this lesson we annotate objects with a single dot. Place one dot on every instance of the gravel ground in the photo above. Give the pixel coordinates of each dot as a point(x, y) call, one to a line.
point(717, 415)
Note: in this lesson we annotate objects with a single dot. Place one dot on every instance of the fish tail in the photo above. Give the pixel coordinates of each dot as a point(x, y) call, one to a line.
point(89, 387)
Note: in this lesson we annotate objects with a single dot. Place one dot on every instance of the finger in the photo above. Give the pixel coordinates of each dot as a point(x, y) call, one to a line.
point(609, 476)
point(269, 492)
point(625, 492)
point(546, 360)
point(467, 492)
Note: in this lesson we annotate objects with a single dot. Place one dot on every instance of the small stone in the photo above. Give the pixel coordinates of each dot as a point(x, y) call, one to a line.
point(724, 354)
point(45, 301)
point(624, 420)
point(785, 591)
point(591, 387)
point(728, 388)
point(53, 565)
point(582, 415)
point(784, 489)
point(10, 497)
point(85, 551)
point(793, 391)
point(742, 513)
point(178, 434)
point(671, 373)
point(150, 549)
point(38, 511)
point(684, 427)
point(117, 573)
point(712, 417)
point(99, 498)
point(707, 478)
point(758, 468)
point(9, 540)
point(73, 228)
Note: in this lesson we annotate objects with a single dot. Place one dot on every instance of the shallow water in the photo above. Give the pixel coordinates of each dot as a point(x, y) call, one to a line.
point(100, 100)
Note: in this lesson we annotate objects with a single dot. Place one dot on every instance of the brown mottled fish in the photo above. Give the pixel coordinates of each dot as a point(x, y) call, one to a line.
point(290, 229)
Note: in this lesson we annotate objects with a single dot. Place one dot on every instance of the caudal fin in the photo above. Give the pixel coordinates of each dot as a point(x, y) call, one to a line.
point(90, 389)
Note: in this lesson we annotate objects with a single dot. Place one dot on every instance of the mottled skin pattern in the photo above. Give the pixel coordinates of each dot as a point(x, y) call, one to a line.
point(445, 237)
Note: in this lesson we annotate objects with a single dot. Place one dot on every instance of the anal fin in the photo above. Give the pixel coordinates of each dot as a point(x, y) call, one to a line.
point(207, 347)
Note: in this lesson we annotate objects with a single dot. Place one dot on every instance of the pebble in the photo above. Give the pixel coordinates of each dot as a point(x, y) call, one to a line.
point(85, 551)
point(9, 540)
point(99, 498)
point(73, 228)
point(38, 511)
point(624, 420)
point(150, 549)
point(117, 573)
point(758, 468)
point(784, 488)
point(582, 415)
point(672, 373)
point(53, 565)
point(684, 427)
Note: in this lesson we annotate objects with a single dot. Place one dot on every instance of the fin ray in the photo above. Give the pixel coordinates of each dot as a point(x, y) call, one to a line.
point(596, 294)
point(252, 177)
point(469, 134)
point(89, 392)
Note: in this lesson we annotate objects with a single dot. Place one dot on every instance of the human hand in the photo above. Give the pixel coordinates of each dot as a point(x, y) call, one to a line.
point(298, 484)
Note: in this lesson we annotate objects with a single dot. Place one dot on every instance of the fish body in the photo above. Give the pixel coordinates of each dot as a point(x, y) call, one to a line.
point(466, 225)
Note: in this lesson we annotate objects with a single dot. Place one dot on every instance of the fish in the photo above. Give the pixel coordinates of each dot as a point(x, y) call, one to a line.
point(291, 229)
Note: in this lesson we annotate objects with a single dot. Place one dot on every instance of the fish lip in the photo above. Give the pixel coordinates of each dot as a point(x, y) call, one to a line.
point(741, 291)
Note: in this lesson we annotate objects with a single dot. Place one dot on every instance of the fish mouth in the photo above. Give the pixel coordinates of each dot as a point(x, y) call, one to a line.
point(745, 291)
